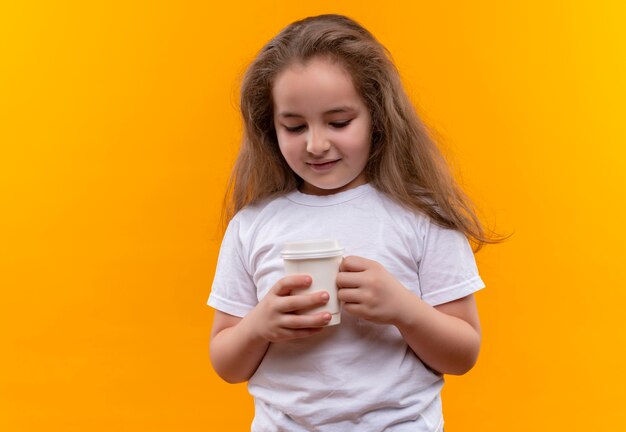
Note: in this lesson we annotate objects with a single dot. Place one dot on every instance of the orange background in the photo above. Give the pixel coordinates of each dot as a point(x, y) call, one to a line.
point(118, 127)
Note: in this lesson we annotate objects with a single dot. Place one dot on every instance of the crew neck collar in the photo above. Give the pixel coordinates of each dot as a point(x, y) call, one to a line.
point(328, 200)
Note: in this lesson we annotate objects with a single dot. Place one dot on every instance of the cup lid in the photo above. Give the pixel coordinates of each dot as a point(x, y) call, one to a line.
point(311, 249)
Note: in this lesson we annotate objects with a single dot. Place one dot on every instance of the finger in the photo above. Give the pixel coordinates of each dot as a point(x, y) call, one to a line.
point(357, 309)
point(288, 283)
point(299, 302)
point(306, 321)
point(354, 264)
point(349, 279)
point(302, 333)
point(349, 295)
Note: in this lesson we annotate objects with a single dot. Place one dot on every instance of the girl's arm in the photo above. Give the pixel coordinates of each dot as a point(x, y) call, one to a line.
point(235, 354)
point(446, 337)
point(239, 344)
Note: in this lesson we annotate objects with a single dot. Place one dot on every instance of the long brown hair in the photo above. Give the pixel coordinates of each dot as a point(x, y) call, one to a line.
point(404, 163)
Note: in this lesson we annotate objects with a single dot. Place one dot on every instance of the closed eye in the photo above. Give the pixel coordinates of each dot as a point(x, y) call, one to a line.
point(339, 125)
point(294, 129)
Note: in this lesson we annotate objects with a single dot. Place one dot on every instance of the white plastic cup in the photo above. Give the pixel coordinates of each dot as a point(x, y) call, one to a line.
point(320, 259)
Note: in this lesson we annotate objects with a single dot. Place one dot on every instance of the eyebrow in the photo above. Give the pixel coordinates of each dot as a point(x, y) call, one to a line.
point(341, 109)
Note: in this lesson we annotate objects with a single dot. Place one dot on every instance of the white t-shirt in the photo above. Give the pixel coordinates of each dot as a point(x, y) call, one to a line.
point(356, 375)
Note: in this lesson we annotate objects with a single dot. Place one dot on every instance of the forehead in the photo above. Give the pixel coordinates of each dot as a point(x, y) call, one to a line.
point(318, 84)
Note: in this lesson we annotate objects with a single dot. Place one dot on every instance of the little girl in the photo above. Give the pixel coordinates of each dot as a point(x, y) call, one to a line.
point(332, 148)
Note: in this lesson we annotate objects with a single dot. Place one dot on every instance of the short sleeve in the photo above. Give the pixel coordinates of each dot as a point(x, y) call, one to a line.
point(447, 270)
point(233, 290)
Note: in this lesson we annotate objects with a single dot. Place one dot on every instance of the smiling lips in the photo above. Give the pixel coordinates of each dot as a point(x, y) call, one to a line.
point(321, 166)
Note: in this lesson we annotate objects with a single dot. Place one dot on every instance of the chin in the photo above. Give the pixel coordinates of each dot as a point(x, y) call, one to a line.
point(325, 189)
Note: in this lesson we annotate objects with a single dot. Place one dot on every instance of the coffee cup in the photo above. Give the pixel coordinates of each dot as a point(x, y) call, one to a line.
point(320, 259)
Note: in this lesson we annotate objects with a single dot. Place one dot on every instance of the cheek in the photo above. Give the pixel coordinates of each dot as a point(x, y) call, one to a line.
point(361, 143)
point(361, 133)
point(287, 148)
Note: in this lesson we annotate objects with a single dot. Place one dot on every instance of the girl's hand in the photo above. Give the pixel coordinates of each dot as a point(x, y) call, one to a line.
point(369, 291)
point(279, 316)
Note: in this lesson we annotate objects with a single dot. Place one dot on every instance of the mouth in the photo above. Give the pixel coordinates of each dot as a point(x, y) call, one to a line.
point(324, 165)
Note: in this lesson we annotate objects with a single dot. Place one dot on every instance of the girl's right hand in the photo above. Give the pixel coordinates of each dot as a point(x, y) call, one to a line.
point(280, 315)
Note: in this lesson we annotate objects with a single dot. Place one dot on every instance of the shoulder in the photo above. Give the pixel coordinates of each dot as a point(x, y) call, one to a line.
point(250, 215)
point(402, 214)
point(243, 228)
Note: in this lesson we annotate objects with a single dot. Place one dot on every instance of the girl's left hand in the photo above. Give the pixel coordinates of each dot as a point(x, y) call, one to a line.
point(369, 291)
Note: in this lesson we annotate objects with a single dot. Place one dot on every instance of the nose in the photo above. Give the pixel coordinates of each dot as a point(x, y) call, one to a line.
point(317, 143)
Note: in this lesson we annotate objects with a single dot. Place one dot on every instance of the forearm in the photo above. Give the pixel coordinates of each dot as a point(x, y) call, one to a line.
point(236, 353)
point(238, 345)
point(446, 343)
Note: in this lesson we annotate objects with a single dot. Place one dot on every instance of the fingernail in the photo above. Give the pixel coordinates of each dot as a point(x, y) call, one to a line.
point(325, 296)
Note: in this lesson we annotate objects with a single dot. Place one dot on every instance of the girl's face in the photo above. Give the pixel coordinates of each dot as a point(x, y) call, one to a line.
point(323, 126)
